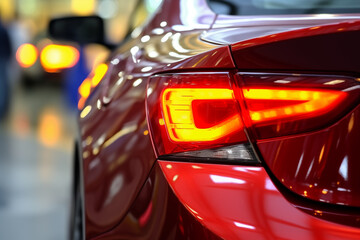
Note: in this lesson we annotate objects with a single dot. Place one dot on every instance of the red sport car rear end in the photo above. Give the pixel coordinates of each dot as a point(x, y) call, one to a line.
point(242, 125)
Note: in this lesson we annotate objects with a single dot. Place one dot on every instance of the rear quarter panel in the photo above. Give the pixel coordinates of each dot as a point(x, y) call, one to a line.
point(116, 149)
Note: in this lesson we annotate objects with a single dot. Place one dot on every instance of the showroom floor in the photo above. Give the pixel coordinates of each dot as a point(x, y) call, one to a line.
point(36, 141)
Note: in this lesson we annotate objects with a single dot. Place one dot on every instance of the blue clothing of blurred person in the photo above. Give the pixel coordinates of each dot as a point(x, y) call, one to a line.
point(5, 55)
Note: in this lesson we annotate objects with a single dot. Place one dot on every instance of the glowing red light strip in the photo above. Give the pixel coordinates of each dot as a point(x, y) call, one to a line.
point(299, 102)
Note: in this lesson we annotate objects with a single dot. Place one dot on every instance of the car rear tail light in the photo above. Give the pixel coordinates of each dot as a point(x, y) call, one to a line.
point(196, 117)
point(278, 105)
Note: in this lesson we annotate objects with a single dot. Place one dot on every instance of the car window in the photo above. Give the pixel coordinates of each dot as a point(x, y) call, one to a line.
point(278, 7)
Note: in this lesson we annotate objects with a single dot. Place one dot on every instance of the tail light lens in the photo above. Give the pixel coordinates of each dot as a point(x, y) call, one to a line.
point(198, 116)
point(266, 105)
point(278, 105)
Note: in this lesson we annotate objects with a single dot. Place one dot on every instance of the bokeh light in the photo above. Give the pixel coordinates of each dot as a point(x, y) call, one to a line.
point(55, 57)
point(26, 55)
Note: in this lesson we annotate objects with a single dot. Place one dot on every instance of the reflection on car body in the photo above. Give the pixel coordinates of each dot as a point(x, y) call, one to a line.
point(220, 126)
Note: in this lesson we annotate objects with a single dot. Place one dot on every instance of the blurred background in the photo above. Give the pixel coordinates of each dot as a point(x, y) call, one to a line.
point(39, 90)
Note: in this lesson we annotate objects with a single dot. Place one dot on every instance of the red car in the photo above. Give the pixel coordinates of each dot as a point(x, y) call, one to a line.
point(242, 125)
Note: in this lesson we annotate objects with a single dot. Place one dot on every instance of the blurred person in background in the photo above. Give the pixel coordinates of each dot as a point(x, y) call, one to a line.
point(5, 55)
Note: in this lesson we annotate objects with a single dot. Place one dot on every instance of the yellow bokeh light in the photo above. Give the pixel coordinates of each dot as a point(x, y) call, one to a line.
point(55, 57)
point(50, 128)
point(99, 73)
point(26, 55)
point(91, 82)
point(83, 7)
point(85, 88)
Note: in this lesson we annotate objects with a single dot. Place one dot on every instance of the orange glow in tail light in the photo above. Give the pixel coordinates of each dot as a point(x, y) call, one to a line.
point(274, 104)
point(194, 112)
point(183, 121)
point(201, 111)
point(55, 57)
point(26, 55)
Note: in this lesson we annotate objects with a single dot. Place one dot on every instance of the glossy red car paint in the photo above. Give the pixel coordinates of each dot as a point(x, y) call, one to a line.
point(325, 171)
point(158, 214)
point(244, 204)
point(113, 122)
point(239, 202)
point(126, 195)
point(308, 51)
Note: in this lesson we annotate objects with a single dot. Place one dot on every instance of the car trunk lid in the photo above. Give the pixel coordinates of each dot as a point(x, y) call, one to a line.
point(319, 163)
